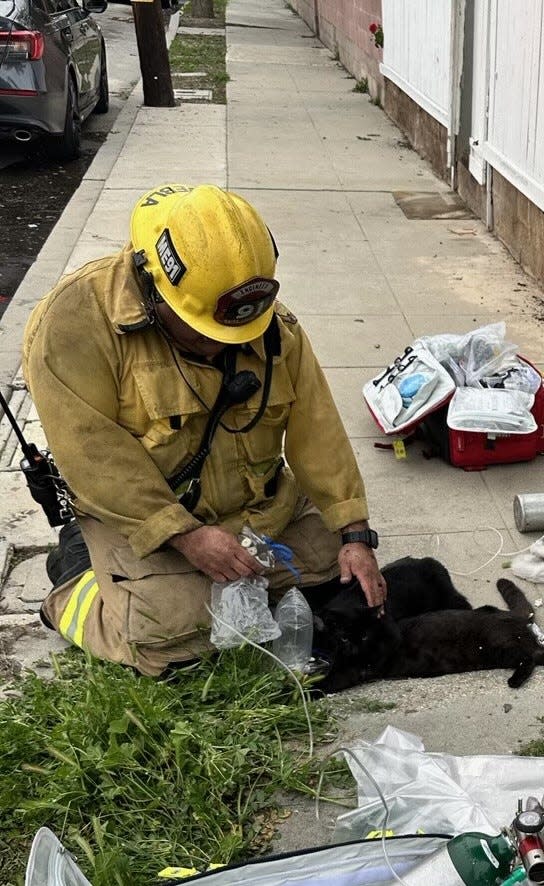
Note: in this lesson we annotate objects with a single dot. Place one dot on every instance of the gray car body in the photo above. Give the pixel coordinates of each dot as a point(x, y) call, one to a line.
point(73, 47)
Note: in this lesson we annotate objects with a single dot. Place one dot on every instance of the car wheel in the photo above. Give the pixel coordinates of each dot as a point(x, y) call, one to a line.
point(103, 103)
point(68, 145)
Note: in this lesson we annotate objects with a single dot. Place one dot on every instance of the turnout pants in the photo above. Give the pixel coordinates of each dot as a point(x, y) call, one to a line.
point(151, 612)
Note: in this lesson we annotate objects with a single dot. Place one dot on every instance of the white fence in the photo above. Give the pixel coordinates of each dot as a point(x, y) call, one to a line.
point(417, 48)
point(513, 127)
point(507, 99)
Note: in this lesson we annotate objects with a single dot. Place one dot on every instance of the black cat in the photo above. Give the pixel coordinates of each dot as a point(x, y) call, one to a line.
point(428, 630)
point(341, 617)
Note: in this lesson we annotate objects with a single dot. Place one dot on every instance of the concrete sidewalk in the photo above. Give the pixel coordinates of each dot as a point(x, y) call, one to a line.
point(323, 165)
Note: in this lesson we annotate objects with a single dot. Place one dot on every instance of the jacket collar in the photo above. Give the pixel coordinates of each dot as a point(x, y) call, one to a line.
point(127, 309)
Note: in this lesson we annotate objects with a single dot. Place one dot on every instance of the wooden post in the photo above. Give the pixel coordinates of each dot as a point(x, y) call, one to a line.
point(153, 53)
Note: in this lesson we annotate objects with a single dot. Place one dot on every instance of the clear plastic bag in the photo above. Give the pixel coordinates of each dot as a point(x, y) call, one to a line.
point(294, 618)
point(485, 354)
point(241, 607)
point(483, 358)
point(491, 411)
point(49, 862)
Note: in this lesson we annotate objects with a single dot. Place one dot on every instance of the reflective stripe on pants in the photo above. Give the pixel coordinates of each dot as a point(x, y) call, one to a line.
point(76, 611)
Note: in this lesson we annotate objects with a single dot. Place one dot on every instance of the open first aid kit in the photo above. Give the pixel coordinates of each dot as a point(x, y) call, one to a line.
point(472, 397)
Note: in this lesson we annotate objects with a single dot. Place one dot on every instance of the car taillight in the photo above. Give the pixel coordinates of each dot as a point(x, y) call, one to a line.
point(21, 46)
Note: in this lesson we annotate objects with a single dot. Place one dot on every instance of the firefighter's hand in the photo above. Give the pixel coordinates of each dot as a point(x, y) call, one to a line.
point(217, 553)
point(356, 560)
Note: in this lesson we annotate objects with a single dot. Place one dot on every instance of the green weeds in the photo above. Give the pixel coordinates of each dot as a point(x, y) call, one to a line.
point(219, 7)
point(534, 748)
point(192, 53)
point(200, 53)
point(135, 774)
point(361, 85)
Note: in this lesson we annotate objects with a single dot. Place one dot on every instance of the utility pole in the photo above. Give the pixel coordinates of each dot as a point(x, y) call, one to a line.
point(153, 53)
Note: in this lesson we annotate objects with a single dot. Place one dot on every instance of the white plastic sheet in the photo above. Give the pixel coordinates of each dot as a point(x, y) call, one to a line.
point(434, 793)
point(530, 564)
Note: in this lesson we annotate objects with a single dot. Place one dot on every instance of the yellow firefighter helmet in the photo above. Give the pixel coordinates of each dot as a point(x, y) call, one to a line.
point(212, 259)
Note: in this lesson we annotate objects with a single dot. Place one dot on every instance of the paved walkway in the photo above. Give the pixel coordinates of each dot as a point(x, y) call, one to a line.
point(324, 167)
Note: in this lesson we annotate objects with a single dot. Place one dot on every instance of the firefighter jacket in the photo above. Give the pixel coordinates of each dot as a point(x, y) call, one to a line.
point(122, 411)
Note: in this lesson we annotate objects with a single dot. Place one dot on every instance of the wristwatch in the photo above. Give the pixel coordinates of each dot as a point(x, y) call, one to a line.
point(367, 536)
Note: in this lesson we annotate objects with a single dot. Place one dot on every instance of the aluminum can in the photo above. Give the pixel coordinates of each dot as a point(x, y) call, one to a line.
point(529, 512)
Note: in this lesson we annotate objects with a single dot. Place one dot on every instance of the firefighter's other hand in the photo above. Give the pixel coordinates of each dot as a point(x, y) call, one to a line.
point(358, 561)
point(217, 553)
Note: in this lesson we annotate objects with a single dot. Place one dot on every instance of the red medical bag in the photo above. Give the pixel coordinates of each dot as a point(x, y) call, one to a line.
point(473, 450)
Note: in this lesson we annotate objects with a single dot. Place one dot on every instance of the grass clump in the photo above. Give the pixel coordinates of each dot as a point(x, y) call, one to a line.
point(135, 774)
point(374, 706)
point(201, 53)
point(192, 53)
point(534, 748)
point(219, 7)
point(361, 85)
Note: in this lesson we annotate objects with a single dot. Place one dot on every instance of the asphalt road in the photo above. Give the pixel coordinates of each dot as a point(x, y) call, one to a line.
point(34, 189)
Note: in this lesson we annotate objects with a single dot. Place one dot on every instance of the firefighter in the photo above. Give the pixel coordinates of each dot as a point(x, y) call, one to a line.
point(134, 363)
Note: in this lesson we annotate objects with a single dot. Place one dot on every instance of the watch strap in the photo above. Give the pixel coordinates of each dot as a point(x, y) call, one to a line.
point(367, 536)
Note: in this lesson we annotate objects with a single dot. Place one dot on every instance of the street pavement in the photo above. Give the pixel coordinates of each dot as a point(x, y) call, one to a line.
point(323, 165)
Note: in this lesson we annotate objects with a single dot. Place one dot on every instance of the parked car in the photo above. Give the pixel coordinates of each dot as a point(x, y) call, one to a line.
point(53, 71)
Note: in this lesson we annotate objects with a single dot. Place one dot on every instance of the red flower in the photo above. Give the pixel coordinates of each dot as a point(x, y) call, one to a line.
point(373, 28)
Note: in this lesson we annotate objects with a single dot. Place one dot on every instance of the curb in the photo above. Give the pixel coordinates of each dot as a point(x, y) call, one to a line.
point(55, 253)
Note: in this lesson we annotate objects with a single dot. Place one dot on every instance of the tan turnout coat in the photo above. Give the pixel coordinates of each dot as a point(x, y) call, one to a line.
point(110, 395)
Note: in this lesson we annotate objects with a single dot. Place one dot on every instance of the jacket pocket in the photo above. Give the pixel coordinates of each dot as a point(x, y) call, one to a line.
point(165, 396)
point(123, 563)
point(263, 480)
point(163, 596)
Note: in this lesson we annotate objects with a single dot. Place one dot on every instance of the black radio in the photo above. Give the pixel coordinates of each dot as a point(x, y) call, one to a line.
point(42, 477)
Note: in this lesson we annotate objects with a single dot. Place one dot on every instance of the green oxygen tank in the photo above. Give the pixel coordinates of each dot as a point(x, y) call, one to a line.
point(470, 859)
